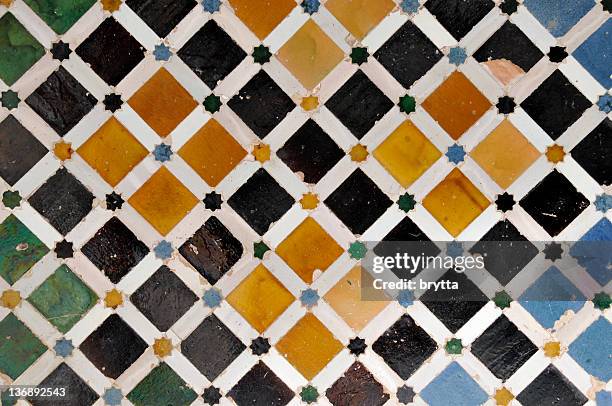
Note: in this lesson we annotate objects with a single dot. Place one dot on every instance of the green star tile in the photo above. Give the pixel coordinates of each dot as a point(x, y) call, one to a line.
point(19, 50)
point(19, 348)
point(160, 388)
point(63, 299)
point(60, 14)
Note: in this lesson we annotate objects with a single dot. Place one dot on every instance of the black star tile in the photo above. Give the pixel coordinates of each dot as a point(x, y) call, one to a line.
point(212, 250)
point(310, 151)
point(261, 104)
point(261, 201)
point(459, 16)
point(503, 348)
point(554, 203)
point(551, 388)
point(19, 150)
point(509, 6)
point(115, 250)
point(594, 151)
point(555, 105)
point(211, 54)
point(163, 298)
point(64, 249)
point(60, 51)
point(260, 346)
point(62, 200)
point(405, 346)
point(113, 346)
point(261, 386)
point(505, 105)
point(111, 51)
point(61, 101)
point(211, 347)
point(557, 54)
point(212, 201)
point(212, 395)
point(359, 104)
point(358, 202)
point(161, 15)
point(357, 346)
point(505, 202)
point(408, 54)
point(78, 393)
point(553, 251)
point(114, 201)
point(112, 102)
point(357, 387)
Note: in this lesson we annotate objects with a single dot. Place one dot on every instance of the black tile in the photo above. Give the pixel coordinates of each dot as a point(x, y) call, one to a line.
point(511, 44)
point(357, 346)
point(358, 202)
point(310, 151)
point(551, 388)
point(503, 348)
point(260, 346)
point(260, 386)
point(404, 346)
point(507, 251)
point(77, 392)
point(554, 203)
point(357, 387)
point(113, 346)
point(61, 101)
point(459, 16)
point(19, 150)
point(594, 151)
point(212, 347)
point(62, 200)
point(111, 51)
point(115, 250)
point(211, 54)
point(212, 395)
point(408, 54)
point(556, 105)
point(212, 250)
point(261, 201)
point(163, 298)
point(161, 15)
point(261, 104)
point(359, 104)
point(60, 50)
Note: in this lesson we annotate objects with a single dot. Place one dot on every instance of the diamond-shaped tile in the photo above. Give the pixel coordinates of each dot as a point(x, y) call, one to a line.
point(162, 102)
point(161, 15)
point(19, 49)
point(212, 152)
point(459, 16)
point(456, 104)
point(593, 252)
point(549, 388)
point(558, 17)
point(19, 150)
point(59, 15)
point(310, 55)
point(357, 386)
point(594, 54)
point(361, 16)
point(19, 348)
point(593, 151)
point(262, 18)
point(592, 349)
point(112, 151)
point(77, 391)
point(466, 390)
point(260, 298)
point(261, 386)
point(163, 200)
point(162, 386)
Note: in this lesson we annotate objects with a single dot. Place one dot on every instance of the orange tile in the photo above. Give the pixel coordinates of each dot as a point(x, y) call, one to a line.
point(212, 152)
point(63, 150)
point(162, 102)
point(359, 16)
point(359, 153)
point(310, 103)
point(456, 104)
point(163, 200)
point(555, 153)
point(112, 151)
point(262, 16)
point(309, 346)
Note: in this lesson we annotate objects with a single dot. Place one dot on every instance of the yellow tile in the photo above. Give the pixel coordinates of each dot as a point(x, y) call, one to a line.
point(261, 152)
point(162, 347)
point(63, 150)
point(113, 299)
point(163, 201)
point(345, 298)
point(310, 54)
point(555, 154)
point(406, 154)
point(262, 16)
point(503, 397)
point(260, 298)
point(162, 102)
point(552, 349)
point(309, 201)
point(310, 103)
point(111, 5)
point(309, 248)
point(358, 153)
point(309, 346)
point(505, 154)
point(455, 202)
point(10, 298)
point(112, 151)
point(212, 152)
point(359, 16)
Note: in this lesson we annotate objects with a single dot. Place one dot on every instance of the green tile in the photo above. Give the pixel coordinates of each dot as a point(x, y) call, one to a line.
point(19, 249)
point(162, 387)
point(19, 348)
point(63, 299)
point(60, 14)
point(19, 50)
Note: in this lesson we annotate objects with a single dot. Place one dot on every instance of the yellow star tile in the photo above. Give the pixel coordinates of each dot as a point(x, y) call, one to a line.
point(260, 298)
point(505, 154)
point(309, 346)
point(163, 201)
point(309, 249)
point(10, 298)
point(555, 154)
point(112, 151)
point(309, 201)
point(359, 16)
point(262, 16)
point(212, 152)
point(111, 5)
point(358, 153)
point(162, 347)
point(552, 349)
point(455, 202)
point(503, 397)
point(310, 103)
point(261, 152)
point(63, 150)
point(406, 154)
point(113, 299)
point(310, 54)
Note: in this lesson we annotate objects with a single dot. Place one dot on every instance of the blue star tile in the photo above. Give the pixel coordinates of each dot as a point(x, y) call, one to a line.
point(410, 6)
point(592, 349)
point(211, 6)
point(603, 398)
point(162, 52)
point(593, 251)
point(212, 297)
point(311, 6)
point(163, 250)
point(455, 154)
point(457, 55)
point(112, 397)
point(405, 298)
point(556, 16)
point(454, 249)
point(595, 54)
point(603, 202)
point(454, 387)
point(63, 347)
point(162, 152)
point(309, 297)
point(605, 103)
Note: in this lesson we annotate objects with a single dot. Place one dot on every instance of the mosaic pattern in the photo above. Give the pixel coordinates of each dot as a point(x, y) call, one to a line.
point(186, 186)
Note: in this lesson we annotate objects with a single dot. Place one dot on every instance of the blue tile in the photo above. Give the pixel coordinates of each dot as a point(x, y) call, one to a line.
point(559, 16)
point(454, 387)
point(594, 251)
point(593, 348)
point(595, 54)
